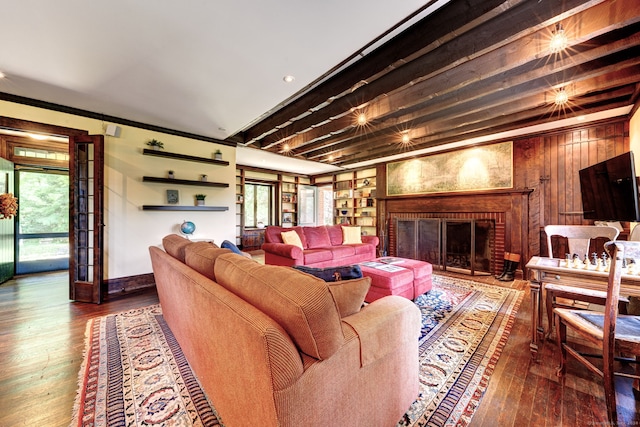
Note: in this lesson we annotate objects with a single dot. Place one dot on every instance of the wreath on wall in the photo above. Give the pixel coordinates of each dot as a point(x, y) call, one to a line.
point(8, 206)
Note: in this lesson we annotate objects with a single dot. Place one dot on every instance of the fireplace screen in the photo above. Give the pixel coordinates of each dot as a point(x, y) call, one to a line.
point(460, 245)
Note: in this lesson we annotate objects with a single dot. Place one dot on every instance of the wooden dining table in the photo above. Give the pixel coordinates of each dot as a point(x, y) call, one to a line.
point(542, 270)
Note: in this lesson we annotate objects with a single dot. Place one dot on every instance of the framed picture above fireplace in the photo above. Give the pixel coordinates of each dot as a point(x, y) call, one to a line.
point(486, 167)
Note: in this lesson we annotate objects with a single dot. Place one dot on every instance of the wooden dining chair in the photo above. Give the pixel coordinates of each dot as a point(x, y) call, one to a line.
point(579, 240)
point(611, 332)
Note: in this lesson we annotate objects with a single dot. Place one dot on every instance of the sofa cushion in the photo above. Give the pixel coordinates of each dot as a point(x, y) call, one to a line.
point(312, 256)
point(342, 251)
point(346, 284)
point(335, 234)
point(351, 235)
point(174, 245)
point(317, 237)
point(291, 238)
point(273, 234)
point(364, 249)
point(349, 295)
point(300, 303)
point(201, 256)
point(332, 274)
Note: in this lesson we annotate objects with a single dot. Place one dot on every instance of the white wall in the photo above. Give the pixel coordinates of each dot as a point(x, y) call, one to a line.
point(129, 230)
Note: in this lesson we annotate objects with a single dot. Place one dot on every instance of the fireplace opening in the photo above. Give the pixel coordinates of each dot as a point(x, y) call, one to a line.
point(459, 245)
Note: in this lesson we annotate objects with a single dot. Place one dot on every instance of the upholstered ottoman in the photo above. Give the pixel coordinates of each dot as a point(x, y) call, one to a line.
point(408, 278)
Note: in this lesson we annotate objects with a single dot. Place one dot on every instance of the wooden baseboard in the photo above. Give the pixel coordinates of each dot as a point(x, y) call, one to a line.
point(124, 285)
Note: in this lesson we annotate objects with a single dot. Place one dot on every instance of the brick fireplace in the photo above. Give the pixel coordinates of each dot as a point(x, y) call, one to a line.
point(464, 242)
point(505, 210)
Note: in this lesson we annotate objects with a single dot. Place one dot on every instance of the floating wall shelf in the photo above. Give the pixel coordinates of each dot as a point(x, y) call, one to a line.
point(177, 156)
point(184, 208)
point(184, 181)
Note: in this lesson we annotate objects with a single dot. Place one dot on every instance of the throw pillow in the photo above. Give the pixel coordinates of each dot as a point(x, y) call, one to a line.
point(332, 274)
point(291, 238)
point(233, 248)
point(349, 295)
point(351, 235)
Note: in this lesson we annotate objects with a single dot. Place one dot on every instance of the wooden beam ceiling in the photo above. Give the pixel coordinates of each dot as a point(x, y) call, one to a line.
point(471, 69)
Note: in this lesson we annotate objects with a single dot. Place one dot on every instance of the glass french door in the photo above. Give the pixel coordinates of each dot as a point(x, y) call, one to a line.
point(86, 160)
point(42, 223)
point(307, 213)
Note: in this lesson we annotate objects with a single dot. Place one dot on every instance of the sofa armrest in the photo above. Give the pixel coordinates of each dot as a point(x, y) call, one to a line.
point(386, 326)
point(374, 240)
point(284, 250)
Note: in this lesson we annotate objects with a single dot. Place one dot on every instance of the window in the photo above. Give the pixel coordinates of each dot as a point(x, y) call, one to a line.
point(42, 234)
point(258, 202)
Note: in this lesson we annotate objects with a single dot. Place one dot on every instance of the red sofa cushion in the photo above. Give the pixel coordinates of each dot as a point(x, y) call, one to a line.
point(312, 256)
point(335, 234)
point(317, 237)
point(273, 234)
point(342, 251)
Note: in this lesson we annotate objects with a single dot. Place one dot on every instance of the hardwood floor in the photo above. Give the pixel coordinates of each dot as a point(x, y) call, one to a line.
point(42, 340)
point(41, 346)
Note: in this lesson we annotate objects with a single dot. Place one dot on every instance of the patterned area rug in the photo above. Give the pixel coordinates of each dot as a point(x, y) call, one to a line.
point(134, 373)
point(465, 326)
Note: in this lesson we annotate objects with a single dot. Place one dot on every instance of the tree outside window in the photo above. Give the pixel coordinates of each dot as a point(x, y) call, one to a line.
point(258, 203)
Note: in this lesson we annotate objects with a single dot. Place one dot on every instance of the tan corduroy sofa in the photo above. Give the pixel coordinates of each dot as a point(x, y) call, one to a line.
point(273, 346)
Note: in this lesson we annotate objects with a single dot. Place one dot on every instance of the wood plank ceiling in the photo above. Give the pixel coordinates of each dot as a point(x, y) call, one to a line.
point(473, 68)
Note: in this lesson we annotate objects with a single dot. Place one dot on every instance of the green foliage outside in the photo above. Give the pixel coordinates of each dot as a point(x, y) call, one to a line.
point(43, 207)
point(257, 202)
point(44, 203)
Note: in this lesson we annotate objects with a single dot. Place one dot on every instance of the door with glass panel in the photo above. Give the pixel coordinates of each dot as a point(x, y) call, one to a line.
point(307, 196)
point(86, 227)
point(42, 223)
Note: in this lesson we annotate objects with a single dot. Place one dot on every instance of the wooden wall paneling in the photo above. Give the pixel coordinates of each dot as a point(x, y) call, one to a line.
point(529, 152)
point(563, 155)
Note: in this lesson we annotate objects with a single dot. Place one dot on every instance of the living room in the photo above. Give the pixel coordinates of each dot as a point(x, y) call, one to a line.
point(548, 151)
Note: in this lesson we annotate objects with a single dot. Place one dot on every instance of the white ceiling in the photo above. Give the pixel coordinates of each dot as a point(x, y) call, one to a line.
point(200, 66)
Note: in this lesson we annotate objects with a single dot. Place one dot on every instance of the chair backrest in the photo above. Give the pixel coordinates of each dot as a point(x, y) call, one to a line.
point(579, 236)
point(619, 251)
point(635, 234)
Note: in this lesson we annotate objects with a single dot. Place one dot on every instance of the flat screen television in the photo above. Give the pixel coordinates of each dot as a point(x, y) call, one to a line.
point(610, 190)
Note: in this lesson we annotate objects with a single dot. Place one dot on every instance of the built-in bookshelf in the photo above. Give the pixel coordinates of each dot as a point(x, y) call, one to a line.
point(239, 206)
point(354, 195)
point(289, 201)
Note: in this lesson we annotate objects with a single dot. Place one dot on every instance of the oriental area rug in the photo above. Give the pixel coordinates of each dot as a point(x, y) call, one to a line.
point(134, 373)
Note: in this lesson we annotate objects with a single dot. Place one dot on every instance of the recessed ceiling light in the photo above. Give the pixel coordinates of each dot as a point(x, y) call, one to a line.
point(2, 75)
point(362, 119)
point(288, 78)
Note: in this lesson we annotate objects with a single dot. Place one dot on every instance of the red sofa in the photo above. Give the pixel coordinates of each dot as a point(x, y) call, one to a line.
point(321, 247)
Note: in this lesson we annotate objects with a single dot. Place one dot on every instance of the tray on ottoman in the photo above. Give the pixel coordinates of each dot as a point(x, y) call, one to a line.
point(397, 276)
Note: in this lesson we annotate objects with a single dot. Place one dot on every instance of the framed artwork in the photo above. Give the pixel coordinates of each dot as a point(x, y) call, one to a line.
point(487, 167)
point(172, 197)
